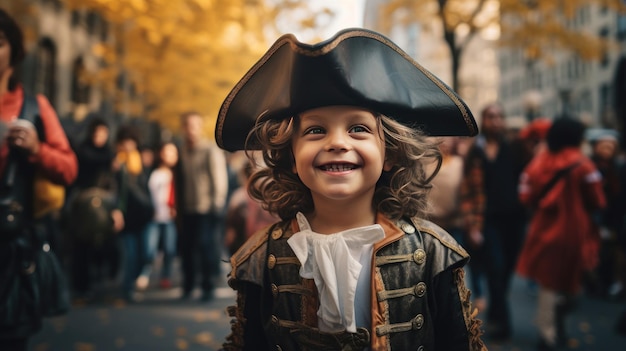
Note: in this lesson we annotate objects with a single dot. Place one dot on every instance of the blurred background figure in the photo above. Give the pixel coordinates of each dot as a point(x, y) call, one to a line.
point(162, 228)
point(444, 198)
point(561, 186)
point(134, 207)
point(202, 188)
point(533, 138)
point(244, 215)
point(148, 159)
point(607, 279)
point(87, 217)
point(25, 149)
point(493, 219)
point(620, 326)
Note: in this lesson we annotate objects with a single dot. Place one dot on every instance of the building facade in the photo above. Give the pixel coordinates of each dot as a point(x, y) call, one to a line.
point(479, 73)
point(61, 64)
point(61, 55)
point(564, 83)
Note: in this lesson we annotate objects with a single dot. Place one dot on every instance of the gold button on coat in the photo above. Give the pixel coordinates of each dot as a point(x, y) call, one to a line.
point(420, 289)
point(419, 256)
point(418, 321)
point(277, 233)
point(407, 228)
point(271, 261)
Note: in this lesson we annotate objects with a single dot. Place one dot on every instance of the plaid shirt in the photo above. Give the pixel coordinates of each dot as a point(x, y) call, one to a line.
point(472, 191)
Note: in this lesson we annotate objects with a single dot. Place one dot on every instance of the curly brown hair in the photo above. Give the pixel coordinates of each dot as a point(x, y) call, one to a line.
point(400, 192)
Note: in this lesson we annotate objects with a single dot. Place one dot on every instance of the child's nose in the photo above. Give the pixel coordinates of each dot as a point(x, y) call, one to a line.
point(337, 142)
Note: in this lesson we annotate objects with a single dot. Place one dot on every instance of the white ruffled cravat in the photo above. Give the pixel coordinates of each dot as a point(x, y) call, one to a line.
point(332, 261)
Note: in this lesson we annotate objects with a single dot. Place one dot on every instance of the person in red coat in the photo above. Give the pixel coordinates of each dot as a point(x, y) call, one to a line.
point(25, 148)
point(564, 189)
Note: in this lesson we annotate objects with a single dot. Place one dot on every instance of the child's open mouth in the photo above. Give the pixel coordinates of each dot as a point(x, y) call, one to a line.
point(338, 167)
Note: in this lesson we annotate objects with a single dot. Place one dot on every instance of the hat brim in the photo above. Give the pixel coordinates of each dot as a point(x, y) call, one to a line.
point(356, 67)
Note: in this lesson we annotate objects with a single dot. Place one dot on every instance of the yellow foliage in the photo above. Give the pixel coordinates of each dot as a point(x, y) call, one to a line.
point(24, 12)
point(538, 27)
point(182, 55)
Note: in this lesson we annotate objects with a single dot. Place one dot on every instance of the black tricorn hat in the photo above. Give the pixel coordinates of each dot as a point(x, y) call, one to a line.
point(356, 67)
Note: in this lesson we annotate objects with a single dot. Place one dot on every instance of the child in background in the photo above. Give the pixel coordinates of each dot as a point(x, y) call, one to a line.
point(162, 227)
point(352, 265)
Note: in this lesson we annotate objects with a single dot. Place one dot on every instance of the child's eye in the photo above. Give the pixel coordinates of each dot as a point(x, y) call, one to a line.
point(358, 129)
point(314, 130)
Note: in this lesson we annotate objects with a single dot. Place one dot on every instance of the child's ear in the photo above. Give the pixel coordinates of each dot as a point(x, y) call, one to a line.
point(294, 170)
point(388, 165)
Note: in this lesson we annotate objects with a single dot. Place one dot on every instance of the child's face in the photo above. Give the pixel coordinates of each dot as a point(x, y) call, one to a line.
point(339, 153)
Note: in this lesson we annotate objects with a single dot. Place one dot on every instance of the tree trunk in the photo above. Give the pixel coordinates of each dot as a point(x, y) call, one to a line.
point(455, 57)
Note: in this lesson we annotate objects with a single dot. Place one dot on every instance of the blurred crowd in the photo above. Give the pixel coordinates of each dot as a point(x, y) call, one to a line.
point(546, 201)
point(550, 193)
point(134, 208)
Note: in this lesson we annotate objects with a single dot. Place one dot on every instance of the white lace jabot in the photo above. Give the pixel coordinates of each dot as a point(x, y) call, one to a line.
point(332, 261)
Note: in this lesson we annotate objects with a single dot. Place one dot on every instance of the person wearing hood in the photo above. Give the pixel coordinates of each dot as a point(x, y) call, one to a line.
point(85, 222)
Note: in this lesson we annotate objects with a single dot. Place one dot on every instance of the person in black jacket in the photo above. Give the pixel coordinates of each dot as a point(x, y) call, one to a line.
point(88, 218)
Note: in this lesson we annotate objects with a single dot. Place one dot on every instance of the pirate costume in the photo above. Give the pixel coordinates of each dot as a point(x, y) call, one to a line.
point(394, 285)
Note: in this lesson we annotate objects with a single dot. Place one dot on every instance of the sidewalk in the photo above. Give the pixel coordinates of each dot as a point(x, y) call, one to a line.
point(590, 326)
point(161, 321)
point(158, 320)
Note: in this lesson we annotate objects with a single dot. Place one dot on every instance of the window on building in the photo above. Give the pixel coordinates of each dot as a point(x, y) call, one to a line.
point(56, 3)
point(93, 21)
point(76, 18)
point(586, 15)
point(584, 101)
point(80, 89)
point(46, 69)
point(104, 30)
point(621, 27)
point(604, 34)
point(571, 69)
point(604, 9)
point(605, 96)
point(538, 80)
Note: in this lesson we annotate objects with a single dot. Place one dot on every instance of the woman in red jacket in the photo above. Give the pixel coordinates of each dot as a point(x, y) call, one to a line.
point(563, 188)
point(24, 150)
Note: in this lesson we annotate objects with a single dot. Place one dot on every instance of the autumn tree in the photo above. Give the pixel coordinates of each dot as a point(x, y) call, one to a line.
point(166, 57)
point(539, 28)
point(24, 12)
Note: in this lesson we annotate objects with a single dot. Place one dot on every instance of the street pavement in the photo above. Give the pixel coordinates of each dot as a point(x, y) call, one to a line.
point(159, 320)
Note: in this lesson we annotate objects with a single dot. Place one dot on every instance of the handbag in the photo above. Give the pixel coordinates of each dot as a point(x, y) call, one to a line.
point(12, 212)
point(48, 281)
point(32, 284)
point(32, 281)
point(91, 221)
